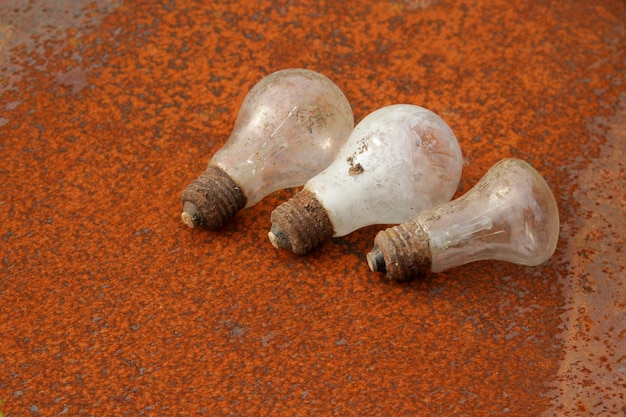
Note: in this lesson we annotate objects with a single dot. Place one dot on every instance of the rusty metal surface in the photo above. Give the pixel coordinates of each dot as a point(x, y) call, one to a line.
point(112, 306)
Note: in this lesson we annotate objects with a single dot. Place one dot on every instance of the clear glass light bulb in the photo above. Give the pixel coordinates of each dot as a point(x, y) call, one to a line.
point(509, 215)
point(398, 161)
point(290, 126)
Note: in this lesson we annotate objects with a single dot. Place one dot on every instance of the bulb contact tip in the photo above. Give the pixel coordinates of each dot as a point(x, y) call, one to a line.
point(376, 260)
point(188, 219)
point(278, 239)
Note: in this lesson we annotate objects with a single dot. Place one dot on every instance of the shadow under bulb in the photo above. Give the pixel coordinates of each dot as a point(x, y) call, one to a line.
point(398, 161)
point(290, 126)
point(509, 215)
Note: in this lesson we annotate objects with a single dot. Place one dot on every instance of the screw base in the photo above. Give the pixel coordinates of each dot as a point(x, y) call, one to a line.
point(300, 224)
point(402, 252)
point(211, 199)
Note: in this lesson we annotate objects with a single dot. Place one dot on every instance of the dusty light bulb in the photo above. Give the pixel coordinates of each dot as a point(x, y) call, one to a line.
point(398, 161)
point(509, 215)
point(290, 126)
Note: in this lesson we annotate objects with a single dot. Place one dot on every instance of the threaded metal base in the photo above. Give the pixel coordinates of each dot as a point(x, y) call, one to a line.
point(211, 199)
point(402, 252)
point(300, 224)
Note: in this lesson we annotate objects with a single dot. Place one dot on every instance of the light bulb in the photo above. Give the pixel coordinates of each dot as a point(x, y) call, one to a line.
point(290, 126)
point(509, 215)
point(398, 161)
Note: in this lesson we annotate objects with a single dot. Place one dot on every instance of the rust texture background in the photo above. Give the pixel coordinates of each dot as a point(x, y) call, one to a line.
point(110, 305)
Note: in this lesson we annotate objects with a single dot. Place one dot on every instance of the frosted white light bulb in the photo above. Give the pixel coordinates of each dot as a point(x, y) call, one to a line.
point(398, 161)
point(290, 126)
point(509, 215)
